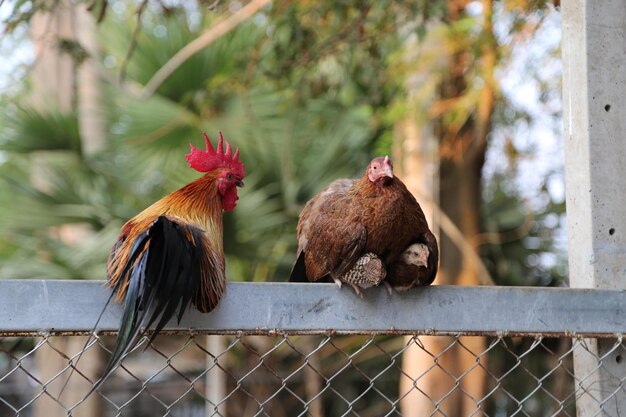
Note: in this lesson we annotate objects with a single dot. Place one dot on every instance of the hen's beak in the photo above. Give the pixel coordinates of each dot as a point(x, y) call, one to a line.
point(387, 170)
point(239, 183)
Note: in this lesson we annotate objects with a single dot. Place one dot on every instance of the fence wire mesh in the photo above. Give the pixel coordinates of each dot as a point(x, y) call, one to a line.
point(244, 375)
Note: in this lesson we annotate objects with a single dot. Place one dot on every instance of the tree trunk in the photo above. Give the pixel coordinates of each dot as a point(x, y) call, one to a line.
point(459, 197)
point(49, 362)
point(416, 161)
point(453, 383)
point(460, 200)
point(91, 108)
point(59, 83)
point(312, 380)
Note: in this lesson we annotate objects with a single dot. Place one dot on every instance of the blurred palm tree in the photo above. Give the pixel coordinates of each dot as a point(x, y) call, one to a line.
point(291, 149)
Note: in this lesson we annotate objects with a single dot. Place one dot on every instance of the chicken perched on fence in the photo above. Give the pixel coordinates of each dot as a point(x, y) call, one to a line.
point(171, 254)
point(373, 215)
point(368, 271)
point(415, 268)
point(407, 272)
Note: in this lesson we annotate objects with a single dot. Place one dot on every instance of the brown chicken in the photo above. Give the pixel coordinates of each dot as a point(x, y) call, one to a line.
point(413, 268)
point(368, 271)
point(408, 271)
point(375, 214)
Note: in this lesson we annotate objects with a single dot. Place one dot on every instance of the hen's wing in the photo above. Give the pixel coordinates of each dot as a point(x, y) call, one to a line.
point(334, 248)
point(327, 244)
point(310, 215)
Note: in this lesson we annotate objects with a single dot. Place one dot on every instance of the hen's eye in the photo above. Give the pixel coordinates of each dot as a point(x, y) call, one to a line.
point(375, 167)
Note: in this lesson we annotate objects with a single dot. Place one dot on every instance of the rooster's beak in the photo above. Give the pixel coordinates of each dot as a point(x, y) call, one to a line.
point(239, 183)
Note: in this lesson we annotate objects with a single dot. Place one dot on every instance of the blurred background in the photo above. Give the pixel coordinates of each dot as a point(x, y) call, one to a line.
point(98, 107)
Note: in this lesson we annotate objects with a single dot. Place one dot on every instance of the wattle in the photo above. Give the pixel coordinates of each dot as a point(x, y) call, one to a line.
point(229, 199)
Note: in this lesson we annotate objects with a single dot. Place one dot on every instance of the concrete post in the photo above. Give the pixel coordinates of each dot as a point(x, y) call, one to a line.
point(594, 116)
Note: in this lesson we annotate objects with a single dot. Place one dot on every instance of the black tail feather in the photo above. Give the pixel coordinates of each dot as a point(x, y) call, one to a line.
point(90, 337)
point(162, 279)
point(132, 318)
point(298, 272)
point(136, 250)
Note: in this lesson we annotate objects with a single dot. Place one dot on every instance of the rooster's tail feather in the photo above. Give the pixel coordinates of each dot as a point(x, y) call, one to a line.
point(163, 274)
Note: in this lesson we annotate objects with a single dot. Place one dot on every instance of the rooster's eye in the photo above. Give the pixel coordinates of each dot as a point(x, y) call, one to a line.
point(229, 176)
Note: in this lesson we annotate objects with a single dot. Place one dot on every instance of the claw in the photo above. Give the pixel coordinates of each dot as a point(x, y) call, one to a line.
point(337, 281)
point(357, 290)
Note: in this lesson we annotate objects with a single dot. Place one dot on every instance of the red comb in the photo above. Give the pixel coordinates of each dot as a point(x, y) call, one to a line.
point(205, 161)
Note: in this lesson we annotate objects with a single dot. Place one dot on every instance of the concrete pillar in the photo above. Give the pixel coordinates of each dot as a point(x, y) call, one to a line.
point(594, 117)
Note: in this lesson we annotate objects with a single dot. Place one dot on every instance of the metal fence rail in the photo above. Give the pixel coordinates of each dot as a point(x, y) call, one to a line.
point(30, 306)
point(315, 350)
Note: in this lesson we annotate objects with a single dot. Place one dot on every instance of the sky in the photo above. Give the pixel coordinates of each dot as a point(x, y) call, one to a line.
point(532, 83)
point(536, 64)
point(15, 50)
point(532, 63)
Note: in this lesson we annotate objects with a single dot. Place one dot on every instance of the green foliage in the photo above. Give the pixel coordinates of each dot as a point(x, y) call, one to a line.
point(519, 242)
point(204, 82)
point(23, 11)
point(292, 152)
point(291, 148)
point(308, 90)
point(28, 130)
point(338, 48)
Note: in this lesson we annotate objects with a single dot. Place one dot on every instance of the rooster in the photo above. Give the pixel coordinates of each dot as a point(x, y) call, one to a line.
point(171, 254)
point(375, 214)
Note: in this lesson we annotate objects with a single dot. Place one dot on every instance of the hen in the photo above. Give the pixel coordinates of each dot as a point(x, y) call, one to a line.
point(352, 217)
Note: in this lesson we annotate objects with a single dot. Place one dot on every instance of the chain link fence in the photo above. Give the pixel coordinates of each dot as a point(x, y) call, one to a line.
point(302, 375)
point(284, 350)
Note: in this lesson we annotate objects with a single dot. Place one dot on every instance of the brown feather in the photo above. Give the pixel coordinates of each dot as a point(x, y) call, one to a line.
point(368, 271)
point(359, 214)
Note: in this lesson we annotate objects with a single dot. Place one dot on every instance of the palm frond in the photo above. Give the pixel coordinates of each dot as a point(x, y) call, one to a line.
point(29, 130)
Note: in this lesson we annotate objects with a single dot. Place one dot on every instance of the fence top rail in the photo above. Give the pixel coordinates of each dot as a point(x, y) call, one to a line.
point(31, 307)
